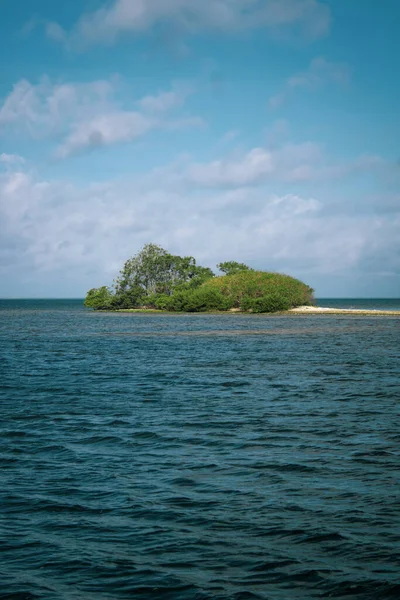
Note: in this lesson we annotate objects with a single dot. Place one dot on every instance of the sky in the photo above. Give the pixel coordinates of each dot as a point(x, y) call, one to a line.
point(263, 131)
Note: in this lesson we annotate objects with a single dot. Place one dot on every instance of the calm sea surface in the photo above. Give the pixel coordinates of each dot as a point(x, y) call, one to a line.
point(198, 457)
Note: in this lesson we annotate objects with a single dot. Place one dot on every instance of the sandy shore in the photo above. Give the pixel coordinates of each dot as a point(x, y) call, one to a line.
point(317, 310)
point(310, 310)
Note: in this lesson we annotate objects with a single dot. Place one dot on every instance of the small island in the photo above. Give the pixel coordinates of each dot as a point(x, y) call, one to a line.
point(156, 280)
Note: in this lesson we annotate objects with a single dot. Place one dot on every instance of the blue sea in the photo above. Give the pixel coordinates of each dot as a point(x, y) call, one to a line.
point(198, 457)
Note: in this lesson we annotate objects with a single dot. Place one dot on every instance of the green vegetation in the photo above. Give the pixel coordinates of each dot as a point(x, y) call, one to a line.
point(99, 298)
point(259, 291)
point(231, 267)
point(154, 279)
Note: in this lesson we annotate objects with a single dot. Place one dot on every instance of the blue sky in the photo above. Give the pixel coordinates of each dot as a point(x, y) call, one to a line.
point(263, 131)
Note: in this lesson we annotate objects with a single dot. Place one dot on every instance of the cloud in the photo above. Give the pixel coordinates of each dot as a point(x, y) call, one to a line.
point(11, 160)
point(193, 16)
point(230, 136)
point(55, 32)
point(87, 232)
point(289, 164)
point(88, 115)
point(44, 108)
point(320, 72)
point(251, 168)
point(165, 101)
point(104, 130)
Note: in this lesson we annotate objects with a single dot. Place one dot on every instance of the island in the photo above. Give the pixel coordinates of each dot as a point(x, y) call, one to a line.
point(156, 280)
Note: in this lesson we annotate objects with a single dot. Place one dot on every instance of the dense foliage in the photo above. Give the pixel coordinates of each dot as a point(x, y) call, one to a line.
point(156, 279)
point(99, 298)
point(260, 291)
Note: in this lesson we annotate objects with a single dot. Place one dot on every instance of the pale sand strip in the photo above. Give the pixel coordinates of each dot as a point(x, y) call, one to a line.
point(317, 310)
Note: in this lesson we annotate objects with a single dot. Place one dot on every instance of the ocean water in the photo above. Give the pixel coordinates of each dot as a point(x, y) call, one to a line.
point(361, 303)
point(198, 457)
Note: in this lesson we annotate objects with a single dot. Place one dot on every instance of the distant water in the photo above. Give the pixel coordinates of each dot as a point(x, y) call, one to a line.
point(198, 457)
point(361, 303)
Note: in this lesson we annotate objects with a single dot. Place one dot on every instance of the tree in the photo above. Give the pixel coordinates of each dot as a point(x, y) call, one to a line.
point(146, 271)
point(155, 271)
point(232, 267)
point(195, 277)
point(99, 298)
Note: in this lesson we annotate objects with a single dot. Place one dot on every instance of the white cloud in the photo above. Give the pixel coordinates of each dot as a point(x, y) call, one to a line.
point(88, 115)
point(165, 101)
point(45, 107)
point(290, 164)
point(104, 130)
point(251, 168)
point(87, 232)
point(192, 16)
point(117, 127)
point(11, 160)
point(319, 72)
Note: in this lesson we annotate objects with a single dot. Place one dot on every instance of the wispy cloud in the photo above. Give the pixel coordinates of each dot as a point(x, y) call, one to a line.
point(320, 72)
point(45, 107)
point(289, 163)
point(105, 130)
point(55, 32)
point(248, 169)
point(192, 16)
point(166, 100)
point(11, 160)
point(88, 115)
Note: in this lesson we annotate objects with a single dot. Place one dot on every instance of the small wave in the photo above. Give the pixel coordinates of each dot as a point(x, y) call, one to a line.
point(319, 538)
point(189, 461)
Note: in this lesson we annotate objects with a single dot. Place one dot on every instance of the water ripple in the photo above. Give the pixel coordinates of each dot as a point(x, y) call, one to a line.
point(198, 457)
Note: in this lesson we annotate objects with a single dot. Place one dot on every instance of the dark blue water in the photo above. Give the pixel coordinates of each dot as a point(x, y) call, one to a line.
point(198, 457)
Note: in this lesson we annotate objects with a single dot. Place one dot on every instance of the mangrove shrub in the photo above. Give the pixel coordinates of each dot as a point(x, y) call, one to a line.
point(156, 279)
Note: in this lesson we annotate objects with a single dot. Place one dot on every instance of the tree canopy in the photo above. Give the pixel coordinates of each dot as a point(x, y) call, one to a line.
point(99, 298)
point(232, 267)
point(155, 271)
point(154, 278)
